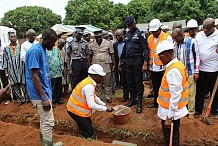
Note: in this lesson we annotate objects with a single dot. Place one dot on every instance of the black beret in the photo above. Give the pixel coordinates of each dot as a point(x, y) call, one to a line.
point(129, 20)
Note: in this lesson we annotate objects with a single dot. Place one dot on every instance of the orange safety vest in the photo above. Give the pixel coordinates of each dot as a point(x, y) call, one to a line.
point(187, 34)
point(164, 94)
point(152, 48)
point(77, 103)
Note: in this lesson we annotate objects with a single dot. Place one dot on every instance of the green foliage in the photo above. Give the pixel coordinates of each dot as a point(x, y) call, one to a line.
point(101, 13)
point(106, 15)
point(141, 10)
point(26, 17)
point(171, 10)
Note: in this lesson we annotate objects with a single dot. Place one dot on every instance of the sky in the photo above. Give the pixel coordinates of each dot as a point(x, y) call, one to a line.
point(57, 6)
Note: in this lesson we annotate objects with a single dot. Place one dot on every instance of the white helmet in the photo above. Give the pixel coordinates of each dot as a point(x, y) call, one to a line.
point(216, 21)
point(192, 23)
point(165, 27)
point(163, 46)
point(154, 25)
point(96, 69)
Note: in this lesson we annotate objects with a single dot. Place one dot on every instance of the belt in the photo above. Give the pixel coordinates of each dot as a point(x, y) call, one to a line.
point(81, 59)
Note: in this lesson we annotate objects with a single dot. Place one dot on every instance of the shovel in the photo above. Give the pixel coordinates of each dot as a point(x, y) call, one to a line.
point(205, 118)
point(171, 135)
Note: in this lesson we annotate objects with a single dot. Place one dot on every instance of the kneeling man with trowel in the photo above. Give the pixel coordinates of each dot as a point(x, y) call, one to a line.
point(173, 93)
point(83, 100)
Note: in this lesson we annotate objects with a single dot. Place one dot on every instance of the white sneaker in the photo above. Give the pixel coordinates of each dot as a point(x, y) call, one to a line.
point(7, 102)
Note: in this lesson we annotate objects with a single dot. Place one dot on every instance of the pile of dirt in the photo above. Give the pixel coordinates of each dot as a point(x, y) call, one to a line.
point(20, 126)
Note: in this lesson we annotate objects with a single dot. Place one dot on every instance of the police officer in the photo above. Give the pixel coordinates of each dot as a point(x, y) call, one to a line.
point(102, 52)
point(77, 52)
point(135, 53)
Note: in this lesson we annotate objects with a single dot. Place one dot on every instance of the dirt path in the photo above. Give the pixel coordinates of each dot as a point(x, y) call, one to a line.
point(20, 126)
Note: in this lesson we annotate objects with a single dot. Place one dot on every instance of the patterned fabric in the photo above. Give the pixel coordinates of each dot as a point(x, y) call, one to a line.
point(55, 63)
point(12, 62)
point(65, 79)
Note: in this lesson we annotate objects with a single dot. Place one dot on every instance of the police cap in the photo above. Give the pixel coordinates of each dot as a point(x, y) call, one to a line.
point(129, 20)
point(80, 29)
point(97, 33)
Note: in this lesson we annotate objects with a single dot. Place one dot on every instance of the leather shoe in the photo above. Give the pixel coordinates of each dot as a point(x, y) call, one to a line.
point(109, 100)
point(53, 105)
point(131, 103)
point(139, 107)
point(152, 105)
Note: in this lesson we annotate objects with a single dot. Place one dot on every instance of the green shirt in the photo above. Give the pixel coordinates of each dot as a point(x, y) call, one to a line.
point(55, 63)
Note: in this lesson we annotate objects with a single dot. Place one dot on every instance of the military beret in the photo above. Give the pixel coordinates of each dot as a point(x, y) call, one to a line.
point(129, 20)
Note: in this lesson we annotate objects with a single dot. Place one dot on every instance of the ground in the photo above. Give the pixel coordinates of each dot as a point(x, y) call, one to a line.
point(20, 127)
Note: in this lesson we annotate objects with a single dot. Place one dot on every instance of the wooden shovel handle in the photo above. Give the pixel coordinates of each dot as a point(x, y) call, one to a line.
point(212, 97)
point(171, 135)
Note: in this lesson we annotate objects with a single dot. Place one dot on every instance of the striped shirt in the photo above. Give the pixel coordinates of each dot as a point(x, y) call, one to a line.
point(12, 62)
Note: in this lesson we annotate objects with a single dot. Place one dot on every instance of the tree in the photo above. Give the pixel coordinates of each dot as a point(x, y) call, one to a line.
point(100, 13)
point(26, 17)
point(120, 12)
point(141, 10)
point(169, 10)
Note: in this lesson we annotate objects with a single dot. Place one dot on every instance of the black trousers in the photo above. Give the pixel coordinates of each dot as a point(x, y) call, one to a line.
point(166, 133)
point(134, 77)
point(56, 84)
point(84, 124)
point(4, 79)
point(123, 81)
point(156, 78)
point(206, 78)
point(80, 71)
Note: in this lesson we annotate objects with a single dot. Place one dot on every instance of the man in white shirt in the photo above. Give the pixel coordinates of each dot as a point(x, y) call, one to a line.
point(31, 36)
point(173, 93)
point(207, 41)
point(83, 100)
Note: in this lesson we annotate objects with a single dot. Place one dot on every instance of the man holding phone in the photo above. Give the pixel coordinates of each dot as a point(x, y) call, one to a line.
point(39, 84)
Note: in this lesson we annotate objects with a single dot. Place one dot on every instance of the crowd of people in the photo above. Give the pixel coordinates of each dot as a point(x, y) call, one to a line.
point(183, 67)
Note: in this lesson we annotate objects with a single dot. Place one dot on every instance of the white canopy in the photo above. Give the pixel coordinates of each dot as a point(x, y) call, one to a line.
point(4, 35)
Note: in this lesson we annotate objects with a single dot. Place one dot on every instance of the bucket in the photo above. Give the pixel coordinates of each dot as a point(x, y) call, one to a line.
point(121, 114)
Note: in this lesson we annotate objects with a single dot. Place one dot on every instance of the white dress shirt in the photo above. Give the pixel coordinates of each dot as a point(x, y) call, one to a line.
point(154, 67)
point(24, 47)
point(174, 80)
point(88, 92)
point(207, 51)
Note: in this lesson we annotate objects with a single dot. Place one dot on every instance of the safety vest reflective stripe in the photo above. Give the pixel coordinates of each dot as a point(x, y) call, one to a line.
point(164, 93)
point(78, 108)
point(153, 57)
point(78, 98)
point(184, 99)
point(77, 103)
point(167, 90)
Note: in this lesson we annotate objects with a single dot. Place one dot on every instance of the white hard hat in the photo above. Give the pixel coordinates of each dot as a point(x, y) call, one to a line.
point(192, 23)
point(216, 21)
point(154, 25)
point(96, 69)
point(163, 46)
point(165, 27)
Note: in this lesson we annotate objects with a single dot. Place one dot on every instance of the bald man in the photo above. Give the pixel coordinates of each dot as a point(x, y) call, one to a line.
point(208, 43)
point(186, 50)
point(31, 36)
point(177, 25)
